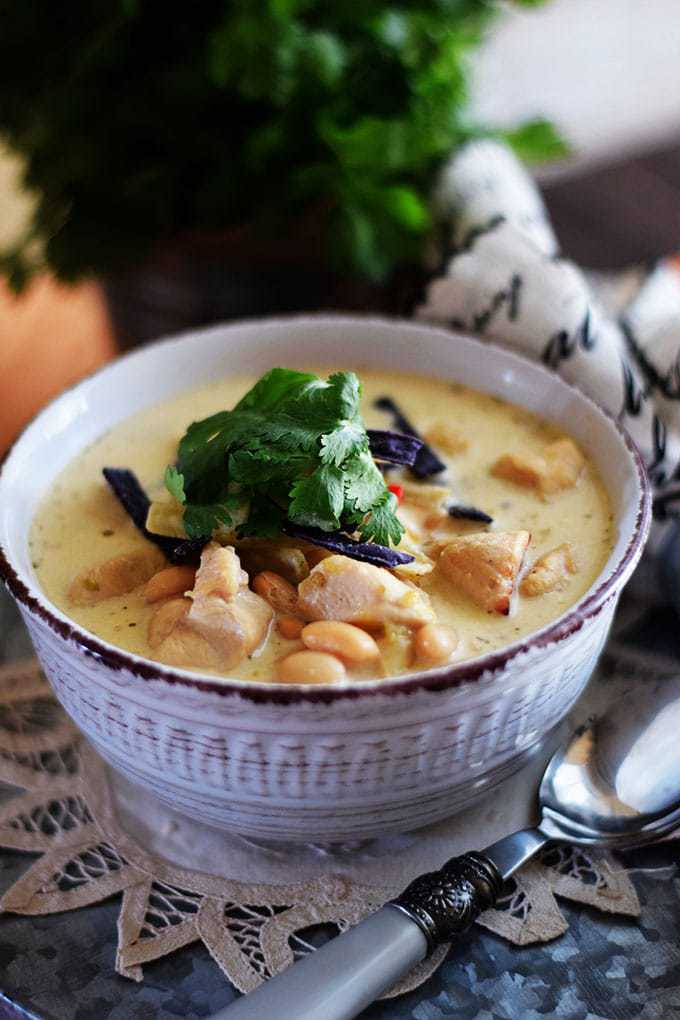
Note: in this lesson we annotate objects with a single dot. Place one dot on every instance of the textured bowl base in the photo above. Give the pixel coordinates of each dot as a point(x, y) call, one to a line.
point(303, 824)
point(329, 773)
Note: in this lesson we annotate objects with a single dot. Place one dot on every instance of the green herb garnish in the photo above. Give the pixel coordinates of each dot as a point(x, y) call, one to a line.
point(294, 448)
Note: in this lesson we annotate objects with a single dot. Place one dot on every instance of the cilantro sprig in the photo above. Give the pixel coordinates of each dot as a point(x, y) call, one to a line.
point(293, 449)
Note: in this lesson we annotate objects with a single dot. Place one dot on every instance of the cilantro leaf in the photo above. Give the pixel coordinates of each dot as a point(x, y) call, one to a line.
point(382, 525)
point(294, 448)
point(346, 390)
point(318, 500)
point(275, 385)
point(200, 521)
point(364, 484)
point(258, 466)
point(174, 483)
point(347, 439)
point(265, 519)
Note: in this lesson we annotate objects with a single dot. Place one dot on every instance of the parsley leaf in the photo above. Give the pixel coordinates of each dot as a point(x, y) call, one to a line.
point(294, 449)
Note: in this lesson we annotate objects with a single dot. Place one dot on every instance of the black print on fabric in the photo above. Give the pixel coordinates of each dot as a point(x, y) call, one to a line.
point(657, 473)
point(449, 251)
point(474, 233)
point(667, 383)
point(666, 503)
point(509, 297)
point(562, 345)
point(634, 398)
point(633, 395)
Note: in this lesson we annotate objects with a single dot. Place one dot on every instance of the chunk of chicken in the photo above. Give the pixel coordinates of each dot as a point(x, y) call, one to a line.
point(220, 574)
point(185, 647)
point(550, 572)
point(340, 588)
point(559, 467)
point(176, 643)
point(443, 529)
point(165, 619)
point(485, 566)
point(565, 464)
point(423, 494)
point(525, 469)
point(442, 435)
point(225, 621)
point(413, 519)
point(117, 576)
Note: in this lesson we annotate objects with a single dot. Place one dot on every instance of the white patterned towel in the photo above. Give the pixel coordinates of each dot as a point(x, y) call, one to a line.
point(503, 279)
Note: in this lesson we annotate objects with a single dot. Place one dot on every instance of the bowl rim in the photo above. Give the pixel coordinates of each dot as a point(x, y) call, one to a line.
point(436, 679)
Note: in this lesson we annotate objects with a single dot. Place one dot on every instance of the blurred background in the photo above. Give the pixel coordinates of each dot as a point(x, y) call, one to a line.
point(604, 73)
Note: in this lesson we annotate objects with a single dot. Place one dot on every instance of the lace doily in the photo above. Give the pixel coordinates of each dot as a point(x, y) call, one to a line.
point(69, 813)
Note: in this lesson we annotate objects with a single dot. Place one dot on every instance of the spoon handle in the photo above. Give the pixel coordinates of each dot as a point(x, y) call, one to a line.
point(339, 980)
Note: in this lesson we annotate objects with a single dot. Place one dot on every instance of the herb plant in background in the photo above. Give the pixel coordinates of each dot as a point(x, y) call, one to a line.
point(141, 122)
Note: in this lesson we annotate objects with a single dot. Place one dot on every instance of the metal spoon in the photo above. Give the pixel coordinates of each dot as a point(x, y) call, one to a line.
point(615, 784)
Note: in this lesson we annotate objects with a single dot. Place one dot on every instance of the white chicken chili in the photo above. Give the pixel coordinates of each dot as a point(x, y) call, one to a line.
point(505, 527)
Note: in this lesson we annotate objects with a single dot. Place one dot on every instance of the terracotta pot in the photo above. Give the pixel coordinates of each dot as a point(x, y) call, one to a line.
point(50, 337)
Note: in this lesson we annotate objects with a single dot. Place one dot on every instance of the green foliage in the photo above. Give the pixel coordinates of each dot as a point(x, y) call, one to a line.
point(174, 483)
point(141, 120)
point(383, 522)
point(294, 447)
point(536, 140)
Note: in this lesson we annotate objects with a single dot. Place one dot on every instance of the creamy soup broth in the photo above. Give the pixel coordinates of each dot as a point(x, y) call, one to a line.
point(80, 522)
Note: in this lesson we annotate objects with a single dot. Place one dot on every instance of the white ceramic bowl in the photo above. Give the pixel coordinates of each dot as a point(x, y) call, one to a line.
point(321, 763)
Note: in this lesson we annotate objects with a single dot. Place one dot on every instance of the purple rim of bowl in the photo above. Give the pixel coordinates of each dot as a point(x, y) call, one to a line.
point(437, 679)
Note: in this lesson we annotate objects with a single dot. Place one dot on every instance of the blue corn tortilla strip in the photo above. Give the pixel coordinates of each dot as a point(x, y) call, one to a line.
point(427, 462)
point(468, 513)
point(134, 500)
point(393, 447)
point(378, 555)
